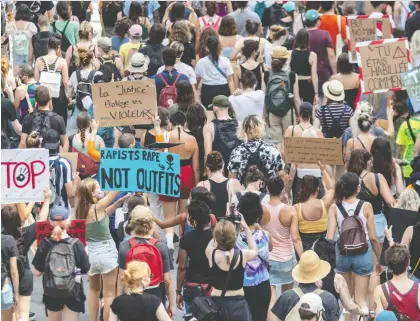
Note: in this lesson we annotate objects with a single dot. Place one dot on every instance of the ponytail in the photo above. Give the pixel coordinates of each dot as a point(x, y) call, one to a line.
point(83, 136)
point(346, 186)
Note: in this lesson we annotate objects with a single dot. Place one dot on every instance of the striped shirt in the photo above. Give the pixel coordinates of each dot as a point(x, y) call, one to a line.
point(66, 177)
point(337, 111)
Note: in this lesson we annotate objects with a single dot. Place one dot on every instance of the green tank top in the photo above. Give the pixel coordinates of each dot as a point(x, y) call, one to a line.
point(99, 230)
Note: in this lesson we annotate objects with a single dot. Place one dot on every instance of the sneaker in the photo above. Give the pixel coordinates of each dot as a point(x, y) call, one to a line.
point(32, 316)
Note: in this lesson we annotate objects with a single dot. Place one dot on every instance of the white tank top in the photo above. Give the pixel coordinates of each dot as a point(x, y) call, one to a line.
point(351, 208)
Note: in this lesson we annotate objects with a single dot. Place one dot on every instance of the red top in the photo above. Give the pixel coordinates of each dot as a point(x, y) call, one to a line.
point(405, 303)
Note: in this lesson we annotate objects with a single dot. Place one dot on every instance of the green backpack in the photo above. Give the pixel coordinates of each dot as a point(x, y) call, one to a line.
point(277, 99)
point(260, 8)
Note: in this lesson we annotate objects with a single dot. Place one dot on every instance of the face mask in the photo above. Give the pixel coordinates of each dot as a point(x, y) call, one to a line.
point(100, 194)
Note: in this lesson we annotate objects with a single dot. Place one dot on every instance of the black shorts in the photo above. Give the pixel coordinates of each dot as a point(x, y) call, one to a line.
point(159, 292)
point(26, 283)
point(56, 305)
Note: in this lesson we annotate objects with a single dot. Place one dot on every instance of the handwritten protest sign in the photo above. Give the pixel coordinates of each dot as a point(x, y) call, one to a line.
point(363, 28)
point(124, 103)
point(411, 81)
point(381, 63)
point(311, 150)
point(25, 175)
point(77, 229)
point(132, 170)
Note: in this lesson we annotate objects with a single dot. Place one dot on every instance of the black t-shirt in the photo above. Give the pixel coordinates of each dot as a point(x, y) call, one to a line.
point(8, 250)
point(40, 43)
point(189, 54)
point(24, 244)
point(136, 307)
point(109, 14)
point(79, 10)
point(163, 249)
point(195, 243)
point(56, 122)
point(37, 8)
point(8, 113)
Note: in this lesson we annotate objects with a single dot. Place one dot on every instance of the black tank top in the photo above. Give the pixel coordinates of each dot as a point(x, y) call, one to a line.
point(366, 195)
point(149, 139)
point(415, 250)
point(350, 96)
point(300, 62)
point(257, 72)
point(218, 276)
point(222, 197)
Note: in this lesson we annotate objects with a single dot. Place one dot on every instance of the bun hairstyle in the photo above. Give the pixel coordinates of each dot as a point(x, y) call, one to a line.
point(54, 42)
point(346, 186)
point(86, 30)
point(33, 140)
point(252, 27)
point(250, 46)
point(253, 175)
point(199, 214)
point(277, 31)
point(214, 161)
point(363, 107)
point(83, 123)
point(364, 122)
point(308, 186)
point(137, 276)
point(85, 56)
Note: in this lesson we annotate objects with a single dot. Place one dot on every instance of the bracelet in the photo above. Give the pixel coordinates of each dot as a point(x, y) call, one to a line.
point(178, 292)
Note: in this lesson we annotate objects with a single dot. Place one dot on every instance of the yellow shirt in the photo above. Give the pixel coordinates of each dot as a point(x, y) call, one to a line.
point(404, 139)
point(127, 50)
point(309, 227)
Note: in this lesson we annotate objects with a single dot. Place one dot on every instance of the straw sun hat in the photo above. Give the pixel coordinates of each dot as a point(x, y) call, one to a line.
point(310, 268)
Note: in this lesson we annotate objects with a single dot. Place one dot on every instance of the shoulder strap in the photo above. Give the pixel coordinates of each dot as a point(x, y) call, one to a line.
point(386, 295)
point(65, 27)
point(360, 141)
point(132, 242)
point(378, 185)
point(91, 75)
point(232, 264)
point(78, 75)
point(342, 209)
point(176, 79)
point(45, 63)
point(163, 79)
point(293, 131)
point(358, 208)
point(54, 28)
point(153, 241)
point(298, 291)
point(56, 64)
point(411, 130)
point(96, 214)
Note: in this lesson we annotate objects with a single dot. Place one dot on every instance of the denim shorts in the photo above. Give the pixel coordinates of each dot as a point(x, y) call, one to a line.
point(103, 256)
point(361, 264)
point(20, 60)
point(281, 272)
point(380, 224)
point(7, 295)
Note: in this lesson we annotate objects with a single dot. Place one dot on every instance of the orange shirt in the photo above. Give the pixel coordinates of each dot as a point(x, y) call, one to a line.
point(92, 151)
point(330, 24)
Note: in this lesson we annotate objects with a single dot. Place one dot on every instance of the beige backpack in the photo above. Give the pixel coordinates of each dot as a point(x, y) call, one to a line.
point(294, 313)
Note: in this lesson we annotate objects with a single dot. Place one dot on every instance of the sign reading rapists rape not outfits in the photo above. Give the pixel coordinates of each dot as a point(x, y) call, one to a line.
point(311, 150)
point(411, 80)
point(24, 175)
point(381, 63)
point(124, 103)
point(140, 170)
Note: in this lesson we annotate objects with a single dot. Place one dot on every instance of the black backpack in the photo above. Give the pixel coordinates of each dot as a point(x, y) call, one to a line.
point(254, 160)
point(225, 138)
point(84, 88)
point(41, 121)
point(335, 131)
point(59, 279)
point(65, 43)
point(108, 68)
point(154, 52)
point(40, 46)
point(276, 13)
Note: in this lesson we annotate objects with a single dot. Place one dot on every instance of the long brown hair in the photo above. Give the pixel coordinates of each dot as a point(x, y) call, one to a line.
point(84, 197)
point(83, 122)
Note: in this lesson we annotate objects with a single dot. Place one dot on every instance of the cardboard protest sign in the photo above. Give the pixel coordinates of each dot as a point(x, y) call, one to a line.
point(25, 175)
point(399, 220)
point(381, 63)
point(140, 170)
point(124, 103)
point(411, 81)
point(311, 150)
point(363, 28)
point(72, 157)
point(77, 229)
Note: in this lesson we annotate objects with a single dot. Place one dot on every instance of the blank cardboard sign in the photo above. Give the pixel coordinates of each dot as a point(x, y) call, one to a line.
point(382, 65)
point(124, 103)
point(363, 28)
point(311, 150)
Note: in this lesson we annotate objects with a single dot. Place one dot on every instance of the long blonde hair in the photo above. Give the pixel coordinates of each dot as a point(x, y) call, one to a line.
point(415, 44)
point(136, 277)
point(409, 200)
point(84, 197)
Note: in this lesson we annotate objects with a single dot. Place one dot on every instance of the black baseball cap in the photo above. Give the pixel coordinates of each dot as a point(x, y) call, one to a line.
point(305, 108)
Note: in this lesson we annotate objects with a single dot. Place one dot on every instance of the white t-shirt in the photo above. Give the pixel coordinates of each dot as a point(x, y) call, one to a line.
point(183, 69)
point(251, 103)
point(209, 74)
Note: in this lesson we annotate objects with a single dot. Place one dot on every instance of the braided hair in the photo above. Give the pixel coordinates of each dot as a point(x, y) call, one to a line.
point(83, 123)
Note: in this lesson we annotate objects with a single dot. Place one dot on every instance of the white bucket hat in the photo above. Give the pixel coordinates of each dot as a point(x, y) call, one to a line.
point(139, 63)
point(333, 90)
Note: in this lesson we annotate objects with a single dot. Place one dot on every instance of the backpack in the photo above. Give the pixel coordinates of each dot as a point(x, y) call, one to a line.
point(51, 79)
point(155, 57)
point(59, 278)
point(55, 176)
point(260, 8)
point(277, 95)
point(293, 315)
point(225, 138)
point(168, 94)
point(20, 40)
point(276, 13)
point(400, 316)
point(148, 253)
point(40, 46)
point(335, 131)
point(84, 88)
point(86, 166)
point(108, 68)
point(352, 239)
point(41, 121)
point(254, 159)
point(65, 43)
point(214, 25)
